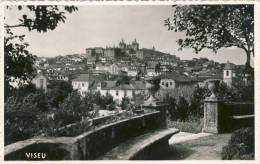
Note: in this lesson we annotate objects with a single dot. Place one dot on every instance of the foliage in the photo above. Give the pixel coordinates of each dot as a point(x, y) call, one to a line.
point(125, 104)
point(19, 92)
point(41, 18)
point(18, 60)
point(72, 109)
point(244, 92)
point(197, 102)
point(170, 105)
point(215, 27)
point(183, 108)
point(191, 126)
point(185, 91)
point(105, 102)
point(154, 86)
point(23, 116)
point(58, 91)
point(239, 91)
point(240, 146)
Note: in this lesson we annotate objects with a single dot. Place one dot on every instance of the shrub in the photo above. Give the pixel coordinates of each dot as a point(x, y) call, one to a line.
point(125, 104)
point(240, 146)
point(170, 105)
point(183, 108)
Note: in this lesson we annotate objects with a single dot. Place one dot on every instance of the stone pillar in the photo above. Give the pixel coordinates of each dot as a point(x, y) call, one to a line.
point(214, 116)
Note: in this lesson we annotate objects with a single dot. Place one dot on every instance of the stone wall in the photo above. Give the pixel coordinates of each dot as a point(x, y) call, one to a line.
point(87, 146)
point(221, 117)
point(239, 114)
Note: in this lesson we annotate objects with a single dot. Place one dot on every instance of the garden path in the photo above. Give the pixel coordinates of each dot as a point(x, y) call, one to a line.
point(200, 146)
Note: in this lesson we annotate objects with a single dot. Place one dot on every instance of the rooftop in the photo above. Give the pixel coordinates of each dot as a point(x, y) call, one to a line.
point(177, 77)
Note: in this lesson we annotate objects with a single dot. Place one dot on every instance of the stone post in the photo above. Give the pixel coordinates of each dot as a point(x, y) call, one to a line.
point(214, 117)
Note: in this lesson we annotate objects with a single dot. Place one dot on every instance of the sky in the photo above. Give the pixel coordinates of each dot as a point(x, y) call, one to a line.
point(101, 26)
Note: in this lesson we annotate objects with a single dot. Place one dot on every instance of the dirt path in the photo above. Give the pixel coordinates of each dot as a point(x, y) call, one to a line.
point(204, 148)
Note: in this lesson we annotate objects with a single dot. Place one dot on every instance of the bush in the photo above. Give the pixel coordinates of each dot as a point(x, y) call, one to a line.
point(125, 104)
point(171, 107)
point(240, 146)
point(183, 108)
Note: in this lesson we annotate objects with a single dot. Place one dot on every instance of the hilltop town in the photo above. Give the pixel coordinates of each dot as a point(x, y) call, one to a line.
point(103, 69)
point(118, 99)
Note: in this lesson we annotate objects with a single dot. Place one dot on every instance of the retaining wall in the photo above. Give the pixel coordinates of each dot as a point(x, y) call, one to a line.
point(87, 146)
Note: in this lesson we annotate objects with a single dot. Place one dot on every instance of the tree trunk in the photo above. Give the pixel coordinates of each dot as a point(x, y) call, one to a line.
point(248, 54)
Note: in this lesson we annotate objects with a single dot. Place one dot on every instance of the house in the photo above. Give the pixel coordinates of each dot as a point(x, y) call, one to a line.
point(102, 67)
point(120, 90)
point(40, 82)
point(113, 69)
point(86, 82)
point(151, 72)
point(81, 83)
point(132, 71)
point(173, 80)
point(203, 81)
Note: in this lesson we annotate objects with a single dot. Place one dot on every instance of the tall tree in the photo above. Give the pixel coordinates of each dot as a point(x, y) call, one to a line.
point(18, 60)
point(215, 27)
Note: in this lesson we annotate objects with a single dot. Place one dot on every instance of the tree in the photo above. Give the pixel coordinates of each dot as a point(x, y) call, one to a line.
point(18, 60)
point(183, 108)
point(215, 27)
point(197, 102)
point(58, 91)
point(155, 86)
point(23, 116)
point(125, 104)
point(171, 107)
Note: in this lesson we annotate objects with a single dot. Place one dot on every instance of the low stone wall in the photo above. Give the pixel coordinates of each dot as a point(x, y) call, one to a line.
point(87, 146)
point(239, 115)
point(221, 116)
point(239, 108)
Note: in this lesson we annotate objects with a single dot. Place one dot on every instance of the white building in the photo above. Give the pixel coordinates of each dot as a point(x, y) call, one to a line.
point(173, 80)
point(40, 82)
point(81, 83)
point(113, 69)
point(103, 67)
point(119, 91)
point(228, 74)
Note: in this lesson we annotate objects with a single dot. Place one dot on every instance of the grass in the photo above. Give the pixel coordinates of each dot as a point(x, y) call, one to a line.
point(194, 126)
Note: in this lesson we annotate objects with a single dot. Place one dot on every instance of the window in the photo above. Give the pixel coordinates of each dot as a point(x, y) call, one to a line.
point(162, 83)
point(82, 84)
point(125, 93)
point(167, 84)
point(227, 73)
point(116, 93)
point(170, 83)
point(41, 83)
point(133, 92)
